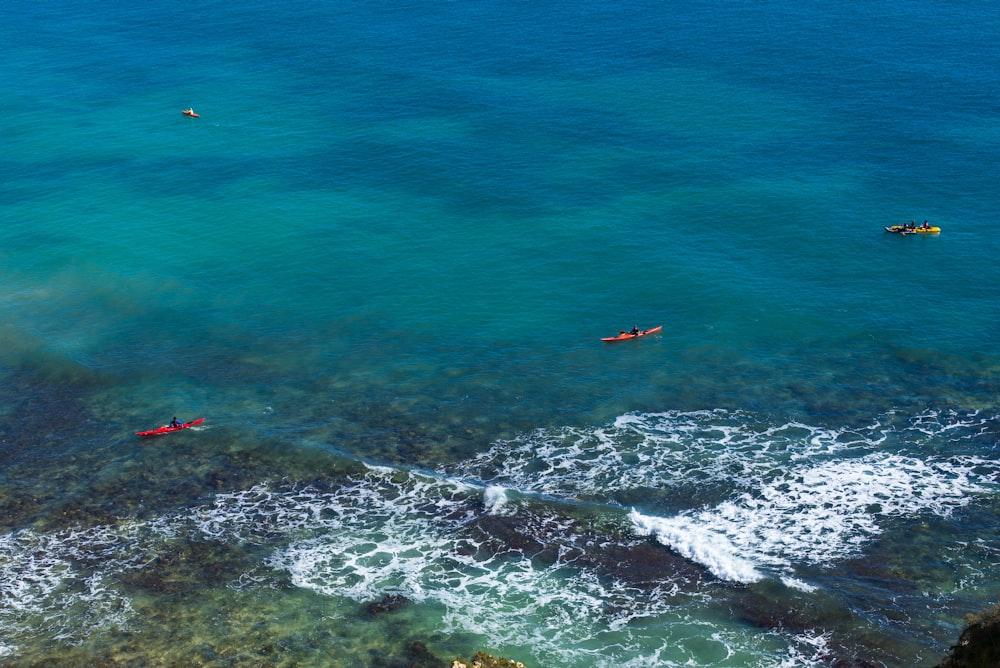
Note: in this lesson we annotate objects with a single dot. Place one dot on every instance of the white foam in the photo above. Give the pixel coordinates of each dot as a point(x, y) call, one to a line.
point(27, 573)
point(793, 493)
point(495, 499)
point(428, 558)
point(387, 532)
point(807, 649)
point(814, 514)
point(52, 577)
point(698, 542)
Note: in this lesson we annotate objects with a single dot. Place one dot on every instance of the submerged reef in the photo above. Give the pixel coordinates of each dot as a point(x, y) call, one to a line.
point(979, 644)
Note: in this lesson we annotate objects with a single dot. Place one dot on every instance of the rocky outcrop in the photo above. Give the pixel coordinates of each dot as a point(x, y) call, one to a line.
point(979, 644)
point(484, 660)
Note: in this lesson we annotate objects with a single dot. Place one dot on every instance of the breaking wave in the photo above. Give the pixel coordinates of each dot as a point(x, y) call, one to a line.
point(744, 498)
point(541, 543)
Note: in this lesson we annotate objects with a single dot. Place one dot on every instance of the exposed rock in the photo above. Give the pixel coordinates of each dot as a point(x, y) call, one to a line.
point(387, 604)
point(979, 644)
point(484, 660)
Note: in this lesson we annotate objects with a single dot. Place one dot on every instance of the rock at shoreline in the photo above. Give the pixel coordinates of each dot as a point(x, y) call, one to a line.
point(484, 660)
point(979, 644)
point(388, 603)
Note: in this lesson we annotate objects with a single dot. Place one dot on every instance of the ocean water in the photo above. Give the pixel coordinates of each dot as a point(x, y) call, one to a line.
point(380, 264)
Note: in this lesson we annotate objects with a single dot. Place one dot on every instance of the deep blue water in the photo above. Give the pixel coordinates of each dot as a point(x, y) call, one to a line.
point(380, 264)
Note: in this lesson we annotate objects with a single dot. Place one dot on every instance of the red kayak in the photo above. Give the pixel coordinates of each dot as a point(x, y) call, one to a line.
point(624, 336)
point(190, 112)
point(166, 429)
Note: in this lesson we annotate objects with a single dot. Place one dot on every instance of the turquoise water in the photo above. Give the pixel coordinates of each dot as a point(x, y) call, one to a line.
point(380, 264)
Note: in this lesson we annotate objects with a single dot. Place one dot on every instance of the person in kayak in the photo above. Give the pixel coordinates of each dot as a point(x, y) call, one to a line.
point(176, 423)
point(635, 330)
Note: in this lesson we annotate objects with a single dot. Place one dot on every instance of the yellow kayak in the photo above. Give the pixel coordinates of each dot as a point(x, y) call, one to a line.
point(903, 229)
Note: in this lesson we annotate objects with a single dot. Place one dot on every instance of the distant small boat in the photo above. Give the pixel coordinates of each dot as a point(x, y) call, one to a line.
point(903, 229)
point(190, 112)
point(624, 336)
